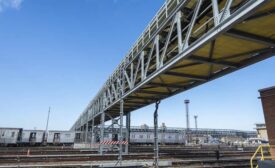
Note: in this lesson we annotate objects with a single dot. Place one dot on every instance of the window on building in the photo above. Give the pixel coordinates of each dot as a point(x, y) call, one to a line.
point(12, 134)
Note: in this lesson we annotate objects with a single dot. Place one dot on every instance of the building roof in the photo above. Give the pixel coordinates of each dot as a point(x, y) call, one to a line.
point(9, 128)
point(268, 88)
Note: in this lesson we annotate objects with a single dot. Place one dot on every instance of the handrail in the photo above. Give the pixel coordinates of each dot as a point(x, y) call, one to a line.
point(254, 156)
point(260, 150)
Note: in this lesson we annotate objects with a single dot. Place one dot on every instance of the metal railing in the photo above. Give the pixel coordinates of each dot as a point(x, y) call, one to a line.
point(262, 153)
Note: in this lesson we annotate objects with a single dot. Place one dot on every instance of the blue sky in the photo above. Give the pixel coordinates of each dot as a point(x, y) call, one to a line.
point(59, 53)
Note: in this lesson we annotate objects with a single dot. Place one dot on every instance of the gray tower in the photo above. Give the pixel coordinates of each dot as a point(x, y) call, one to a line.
point(196, 122)
point(196, 127)
point(187, 114)
point(187, 120)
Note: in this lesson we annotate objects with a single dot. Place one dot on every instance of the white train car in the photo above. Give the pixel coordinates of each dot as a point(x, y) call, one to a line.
point(32, 137)
point(60, 137)
point(141, 137)
point(174, 138)
point(10, 136)
point(147, 137)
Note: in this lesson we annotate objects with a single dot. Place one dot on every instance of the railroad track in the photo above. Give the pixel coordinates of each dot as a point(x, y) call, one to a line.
point(69, 158)
point(180, 156)
point(206, 163)
point(167, 152)
point(93, 157)
point(46, 152)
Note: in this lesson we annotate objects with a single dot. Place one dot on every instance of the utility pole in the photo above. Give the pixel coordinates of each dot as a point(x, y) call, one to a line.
point(46, 130)
point(187, 120)
point(48, 119)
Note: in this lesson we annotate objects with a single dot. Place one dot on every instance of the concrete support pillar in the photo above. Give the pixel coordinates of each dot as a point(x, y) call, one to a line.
point(102, 133)
point(128, 129)
point(268, 103)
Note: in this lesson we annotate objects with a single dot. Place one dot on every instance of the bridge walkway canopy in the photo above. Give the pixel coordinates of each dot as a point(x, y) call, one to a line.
point(191, 44)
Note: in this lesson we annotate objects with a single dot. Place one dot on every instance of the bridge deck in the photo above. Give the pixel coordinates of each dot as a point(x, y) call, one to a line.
point(161, 68)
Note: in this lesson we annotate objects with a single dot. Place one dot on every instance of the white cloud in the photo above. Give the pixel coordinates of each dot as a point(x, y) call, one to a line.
point(13, 4)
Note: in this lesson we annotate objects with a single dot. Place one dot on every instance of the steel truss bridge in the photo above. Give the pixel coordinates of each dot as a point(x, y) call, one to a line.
point(187, 43)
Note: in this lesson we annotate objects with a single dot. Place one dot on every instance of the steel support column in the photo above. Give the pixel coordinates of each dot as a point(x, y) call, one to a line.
point(128, 129)
point(156, 144)
point(86, 132)
point(120, 131)
point(102, 133)
point(113, 132)
point(92, 131)
point(112, 128)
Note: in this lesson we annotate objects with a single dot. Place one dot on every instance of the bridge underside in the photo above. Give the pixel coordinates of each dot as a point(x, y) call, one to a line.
point(163, 66)
point(248, 42)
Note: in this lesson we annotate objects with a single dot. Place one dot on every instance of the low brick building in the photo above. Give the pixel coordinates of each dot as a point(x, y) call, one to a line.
point(268, 103)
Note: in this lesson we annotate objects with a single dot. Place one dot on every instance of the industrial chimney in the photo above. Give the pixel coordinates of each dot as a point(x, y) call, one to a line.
point(187, 119)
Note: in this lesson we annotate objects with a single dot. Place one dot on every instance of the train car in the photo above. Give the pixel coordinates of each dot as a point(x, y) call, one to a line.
point(147, 137)
point(10, 136)
point(60, 137)
point(32, 137)
point(141, 137)
point(171, 138)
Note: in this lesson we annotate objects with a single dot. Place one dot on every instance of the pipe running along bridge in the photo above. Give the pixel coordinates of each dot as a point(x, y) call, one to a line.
point(187, 43)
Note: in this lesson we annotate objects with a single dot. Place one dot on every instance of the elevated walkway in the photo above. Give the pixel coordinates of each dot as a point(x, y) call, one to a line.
point(188, 43)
